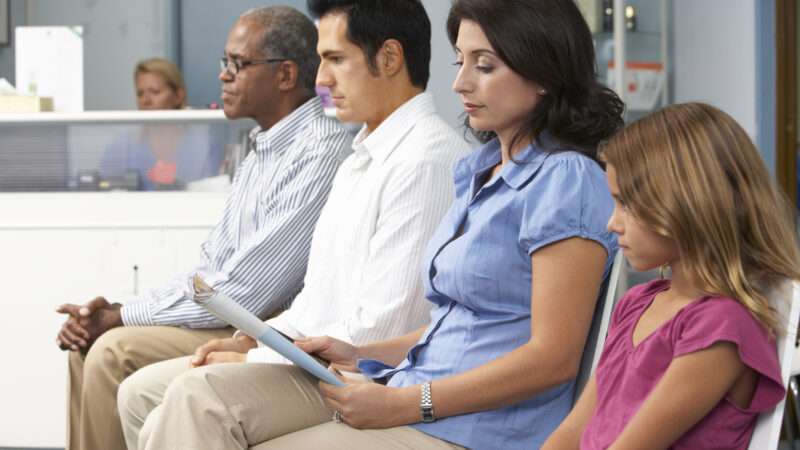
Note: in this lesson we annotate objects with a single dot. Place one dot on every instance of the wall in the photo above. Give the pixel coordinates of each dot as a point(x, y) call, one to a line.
point(18, 15)
point(713, 47)
point(766, 75)
point(443, 72)
point(204, 30)
point(715, 57)
point(193, 33)
point(116, 36)
point(205, 25)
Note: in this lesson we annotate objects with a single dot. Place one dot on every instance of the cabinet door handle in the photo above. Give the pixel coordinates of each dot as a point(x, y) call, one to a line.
point(135, 279)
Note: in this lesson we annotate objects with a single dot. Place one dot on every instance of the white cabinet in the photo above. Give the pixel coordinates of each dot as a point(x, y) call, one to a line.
point(71, 247)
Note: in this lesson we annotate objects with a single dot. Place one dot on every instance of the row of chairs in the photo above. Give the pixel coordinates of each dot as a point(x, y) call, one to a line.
point(785, 298)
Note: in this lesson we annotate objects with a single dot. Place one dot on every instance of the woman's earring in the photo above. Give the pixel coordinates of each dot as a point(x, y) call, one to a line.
point(542, 92)
point(663, 271)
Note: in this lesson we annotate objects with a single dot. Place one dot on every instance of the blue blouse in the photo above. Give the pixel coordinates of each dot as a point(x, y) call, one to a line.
point(480, 283)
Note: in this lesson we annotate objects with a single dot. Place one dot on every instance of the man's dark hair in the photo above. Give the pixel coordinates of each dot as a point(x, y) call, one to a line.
point(371, 22)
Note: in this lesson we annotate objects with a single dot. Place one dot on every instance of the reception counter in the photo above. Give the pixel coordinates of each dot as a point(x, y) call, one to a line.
point(70, 230)
point(110, 150)
point(71, 247)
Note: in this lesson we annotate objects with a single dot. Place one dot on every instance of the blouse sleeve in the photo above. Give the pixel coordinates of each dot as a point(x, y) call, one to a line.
point(568, 198)
point(717, 319)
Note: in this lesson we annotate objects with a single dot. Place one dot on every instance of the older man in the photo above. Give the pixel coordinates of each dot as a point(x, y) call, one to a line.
point(258, 251)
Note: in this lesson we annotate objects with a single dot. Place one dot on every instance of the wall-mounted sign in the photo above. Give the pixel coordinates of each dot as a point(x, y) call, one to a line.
point(644, 82)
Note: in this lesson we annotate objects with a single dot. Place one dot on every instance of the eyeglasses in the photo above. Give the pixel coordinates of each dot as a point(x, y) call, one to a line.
point(234, 65)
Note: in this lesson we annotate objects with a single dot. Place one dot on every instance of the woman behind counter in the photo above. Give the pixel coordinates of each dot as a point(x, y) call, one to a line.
point(159, 85)
point(164, 156)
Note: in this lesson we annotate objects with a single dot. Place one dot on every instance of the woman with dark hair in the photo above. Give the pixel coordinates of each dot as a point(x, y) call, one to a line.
point(546, 43)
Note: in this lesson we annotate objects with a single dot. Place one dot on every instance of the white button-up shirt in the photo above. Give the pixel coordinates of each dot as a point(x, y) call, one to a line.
point(364, 281)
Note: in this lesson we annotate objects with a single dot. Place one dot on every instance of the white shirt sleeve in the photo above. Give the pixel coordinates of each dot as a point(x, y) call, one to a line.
point(266, 355)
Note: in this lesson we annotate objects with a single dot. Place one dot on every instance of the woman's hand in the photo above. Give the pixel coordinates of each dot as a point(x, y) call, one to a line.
point(372, 405)
point(341, 355)
point(223, 350)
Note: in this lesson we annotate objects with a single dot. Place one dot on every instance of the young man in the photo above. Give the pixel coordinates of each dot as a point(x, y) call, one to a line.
point(364, 277)
point(258, 251)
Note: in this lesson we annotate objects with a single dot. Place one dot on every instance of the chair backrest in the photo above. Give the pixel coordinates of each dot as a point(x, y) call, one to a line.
point(786, 299)
point(599, 328)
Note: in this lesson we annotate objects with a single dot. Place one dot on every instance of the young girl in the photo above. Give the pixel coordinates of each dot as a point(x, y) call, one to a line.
point(690, 361)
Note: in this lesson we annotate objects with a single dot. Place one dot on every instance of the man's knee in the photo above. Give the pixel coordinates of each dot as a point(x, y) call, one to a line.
point(190, 382)
point(75, 360)
point(143, 390)
point(147, 428)
point(108, 354)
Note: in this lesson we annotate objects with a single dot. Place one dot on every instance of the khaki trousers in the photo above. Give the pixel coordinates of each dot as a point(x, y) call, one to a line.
point(258, 406)
point(92, 420)
point(142, 392)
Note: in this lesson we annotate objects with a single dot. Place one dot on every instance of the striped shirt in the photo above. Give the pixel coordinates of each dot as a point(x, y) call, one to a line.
point(257, 253)
point(363, 282)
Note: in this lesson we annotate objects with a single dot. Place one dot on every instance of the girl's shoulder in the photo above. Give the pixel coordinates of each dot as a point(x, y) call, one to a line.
point(716, 318)
point(719, 314)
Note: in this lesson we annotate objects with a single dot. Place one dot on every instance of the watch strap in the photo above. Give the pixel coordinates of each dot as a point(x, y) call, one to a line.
point(426, 404)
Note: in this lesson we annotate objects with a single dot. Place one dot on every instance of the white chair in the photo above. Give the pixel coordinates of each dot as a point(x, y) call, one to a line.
point(599, 328)
point(786, 300)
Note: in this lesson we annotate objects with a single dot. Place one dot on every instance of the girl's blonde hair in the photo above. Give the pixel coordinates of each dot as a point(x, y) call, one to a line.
point(167, 70)
point(692, 174)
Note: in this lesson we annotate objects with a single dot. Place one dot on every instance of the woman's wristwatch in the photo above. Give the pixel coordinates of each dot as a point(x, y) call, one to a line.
point(426, 404)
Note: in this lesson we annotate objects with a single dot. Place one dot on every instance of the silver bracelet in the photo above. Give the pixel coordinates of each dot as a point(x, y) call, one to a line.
point(426, 404)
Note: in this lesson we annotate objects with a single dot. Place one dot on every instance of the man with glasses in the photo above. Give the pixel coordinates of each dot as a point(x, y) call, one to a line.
point(256, 254)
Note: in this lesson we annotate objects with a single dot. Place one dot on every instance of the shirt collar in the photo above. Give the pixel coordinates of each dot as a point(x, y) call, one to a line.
point(380, 143)
point(278, 137)
point(524, 166)
point(517, 172)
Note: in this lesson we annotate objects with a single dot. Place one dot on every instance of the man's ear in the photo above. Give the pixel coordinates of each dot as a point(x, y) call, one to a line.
point(391, 58)
point(288, 73)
